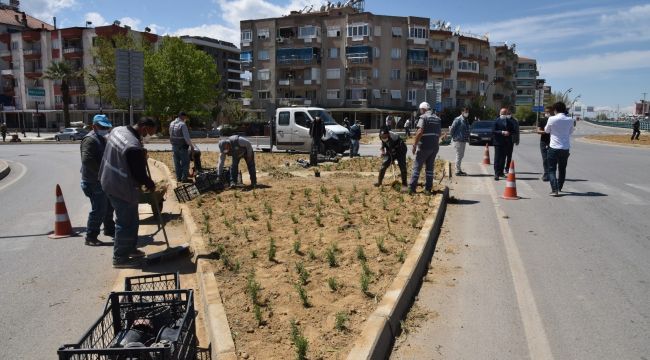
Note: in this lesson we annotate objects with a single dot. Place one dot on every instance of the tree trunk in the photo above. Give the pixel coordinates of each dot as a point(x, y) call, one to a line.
point(65, 94)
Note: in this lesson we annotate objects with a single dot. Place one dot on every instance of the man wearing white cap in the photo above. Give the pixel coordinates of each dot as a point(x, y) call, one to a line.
point(92, 151)
point(425, 147)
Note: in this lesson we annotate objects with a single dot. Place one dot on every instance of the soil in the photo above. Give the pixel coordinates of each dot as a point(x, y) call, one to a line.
point(644, 139)
point(319, 224)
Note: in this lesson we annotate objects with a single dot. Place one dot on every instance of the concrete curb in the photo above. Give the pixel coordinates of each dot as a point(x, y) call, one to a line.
point(610, 143)
point(216, 321)
point(5, 169)
point(383, 325)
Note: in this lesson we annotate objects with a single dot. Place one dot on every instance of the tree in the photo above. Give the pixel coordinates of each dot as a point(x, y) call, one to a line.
point(525, 114)
point(62, 71)
point(179, 77)
point(234, 112)
point(558, 96)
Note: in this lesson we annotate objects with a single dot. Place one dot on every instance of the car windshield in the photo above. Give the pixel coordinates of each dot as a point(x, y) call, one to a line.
point(324, 115)
point(482, 124)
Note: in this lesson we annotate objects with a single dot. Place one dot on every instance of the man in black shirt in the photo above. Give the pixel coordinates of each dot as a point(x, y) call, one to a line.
point(544, 140)
point(316, 131)
point(635, 130)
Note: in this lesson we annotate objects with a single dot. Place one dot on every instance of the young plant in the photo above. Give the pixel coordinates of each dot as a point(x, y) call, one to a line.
point(340, 320)
point(295, 231)
point(268, 209)
point(333, 284)
point(364, 282)
point(268, 225)
point(307, 192)
point(253, 288)
point(258, 314)
point(401, 256)
point(363, 200)
point(319, 220)
point(330, 253)
point(237, 195)
point(303, 274)
point(291, 194)
point(296, 247)
point(294, 218)
point(301, 211)
point(311, 255)
point(384, 203)
point(337, 199)
point(299, 341)
point(361, 255)
point(323, 189)
point(302, 293)
point(365, 268)
point(357, 233)
point(246, 234)
point(346, 215)
point(272, 250)
point(253, 254)
point(379, 240)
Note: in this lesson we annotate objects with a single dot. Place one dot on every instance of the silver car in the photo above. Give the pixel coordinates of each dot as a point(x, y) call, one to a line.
point(70, 134)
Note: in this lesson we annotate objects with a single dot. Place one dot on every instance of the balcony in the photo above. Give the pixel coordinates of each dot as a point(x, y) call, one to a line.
point(437, 69)
point(71, 52)
point(5, 52)
point(363, 61)
point(33, 73)
point(359, 81)
point(32, 53)
point(417, 62)
point(358, 103)
point(7, 72)
point(441, 50)
point(284, 82)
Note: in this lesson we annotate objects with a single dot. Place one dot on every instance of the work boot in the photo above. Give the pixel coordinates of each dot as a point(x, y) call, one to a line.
point(136, 254)
point(125, 262)
point(92, 241)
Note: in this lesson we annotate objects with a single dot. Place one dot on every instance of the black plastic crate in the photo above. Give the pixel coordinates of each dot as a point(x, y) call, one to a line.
point(168, 281)
point(186, 192)
point(208, 181)
point(140, 325)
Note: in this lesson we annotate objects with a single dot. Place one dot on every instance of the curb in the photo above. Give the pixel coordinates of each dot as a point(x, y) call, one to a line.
point(610, 143)
point(5, 169)
point(216, 321)
point(383, 325)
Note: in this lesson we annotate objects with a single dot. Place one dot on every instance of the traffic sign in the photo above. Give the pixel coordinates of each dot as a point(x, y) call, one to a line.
point(129, 74)
point(438, 106)
point(538, 109)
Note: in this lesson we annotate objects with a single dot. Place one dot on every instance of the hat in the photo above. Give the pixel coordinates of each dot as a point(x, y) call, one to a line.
point(102, 120)
point(182, 113)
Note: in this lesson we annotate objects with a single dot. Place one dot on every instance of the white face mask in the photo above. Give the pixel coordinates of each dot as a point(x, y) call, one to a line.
point(503, 117)
point(102, 132)
point(465, 114)
point(508, 116)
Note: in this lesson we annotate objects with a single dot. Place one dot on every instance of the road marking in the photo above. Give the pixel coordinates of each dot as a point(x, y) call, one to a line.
point(23, 171)
point(538, 345)
point(617, 194)
point(645, 188)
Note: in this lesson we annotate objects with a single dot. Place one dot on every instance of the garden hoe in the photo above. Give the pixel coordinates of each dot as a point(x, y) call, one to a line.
point(395, 184)
point(170, 252)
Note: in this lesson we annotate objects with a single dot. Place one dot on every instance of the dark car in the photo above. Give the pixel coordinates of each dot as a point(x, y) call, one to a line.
point(481, 132)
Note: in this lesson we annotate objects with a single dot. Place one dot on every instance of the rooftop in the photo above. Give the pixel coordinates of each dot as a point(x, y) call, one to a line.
point(14, 18)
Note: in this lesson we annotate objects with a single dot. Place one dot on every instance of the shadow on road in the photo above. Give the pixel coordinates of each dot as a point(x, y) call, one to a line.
point(453, 201)
point(589, 193)
point(76, 231)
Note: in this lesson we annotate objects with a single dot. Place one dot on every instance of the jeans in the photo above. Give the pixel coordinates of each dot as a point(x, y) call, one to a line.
point(557, 159)
point(101, 210)
point(250, 164)
point(388, 161)
point(181, 161)
point(460, 153)
point(543, 148)
point(427, 158)
point(499, 160)
point(127, 223)
point(354, 147)
point(635, 134)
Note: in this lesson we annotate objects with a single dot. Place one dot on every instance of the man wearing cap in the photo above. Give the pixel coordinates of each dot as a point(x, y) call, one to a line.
point(238, 147)
point(425, 147)
point(92, 151)
point(122, 173)
point(179, 136)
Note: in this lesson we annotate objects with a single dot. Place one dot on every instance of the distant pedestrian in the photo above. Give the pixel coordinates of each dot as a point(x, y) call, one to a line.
point(544, 140)
point(635, 130)
point(92, 152)
point(393, 148)
point(122, 174)
point(389, 122)
point(407, 127)
point(501, 130)
point(425, 147)
point(238, 148)
point(459, 132)
point(316, 132)
point(514, 140)
point(3, 131)
point(179, 137)
point(560, 127)
point(355, 137)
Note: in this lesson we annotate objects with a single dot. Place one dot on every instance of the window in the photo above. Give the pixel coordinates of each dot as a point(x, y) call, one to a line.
point(302, 119)
point(418, 33)
point(356, 94)
point(283, 118)
point(264, 74)
point(377, 31)
point(376, 93)
point(375, 73)
point(333, 53)
point(333, 94)
point(246, 35)
point(263, 55)
point(246, 56)
point(263, 94)
point(411, 95)
point(395, 94)
point(447, 102)
point(333, 73)
point(376, 52)
point(462, 85)
point(357, 30)
point(436, 63)
point(307, 32)
point(448, 84)
point(397, 31)
point(449, 64)
point(463, 49)
point(395, 74)
point(333, 31)
point(263, 33)
point(395, 53)
point(468, 66)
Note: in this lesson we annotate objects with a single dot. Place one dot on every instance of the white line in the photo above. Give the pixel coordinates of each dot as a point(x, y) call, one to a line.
point(640, 187)
point(538, 345)
point(23, 171)
point(617, 194)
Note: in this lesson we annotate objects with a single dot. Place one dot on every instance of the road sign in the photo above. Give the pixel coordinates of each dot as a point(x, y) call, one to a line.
point(539, 97)
point(578, 108)
point(538, 109)
point(129, 74)
point(590, 109)
point(438, 106)
point(429, 85)
point(438, 87)
point(36, 93)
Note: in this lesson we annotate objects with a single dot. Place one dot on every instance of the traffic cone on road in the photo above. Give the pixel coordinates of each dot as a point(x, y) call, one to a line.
point(62, 226)
point(510, 193)
point(486, 155)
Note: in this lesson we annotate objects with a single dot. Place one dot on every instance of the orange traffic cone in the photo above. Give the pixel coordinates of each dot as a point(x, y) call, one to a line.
point(486, 155)
point(510, 193)
point(62, 226)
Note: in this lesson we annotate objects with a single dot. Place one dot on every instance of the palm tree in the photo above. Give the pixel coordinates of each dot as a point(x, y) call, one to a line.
point(63, 72)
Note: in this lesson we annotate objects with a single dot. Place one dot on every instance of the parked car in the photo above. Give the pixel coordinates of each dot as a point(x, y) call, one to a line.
point(481, 132)
point(70, 134)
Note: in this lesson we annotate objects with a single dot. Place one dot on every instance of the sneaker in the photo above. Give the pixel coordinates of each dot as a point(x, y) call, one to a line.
point(462, 173)
point(125, 262)
point(232, 184)
point(496, 177)
point(545, 178)
point(553, 193)
point(93, 241)
point(377, 184)
point(506, 171)
point(136, 254)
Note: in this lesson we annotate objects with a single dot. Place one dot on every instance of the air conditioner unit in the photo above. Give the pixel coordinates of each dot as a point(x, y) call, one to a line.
point(279, 40)
point(384, 91)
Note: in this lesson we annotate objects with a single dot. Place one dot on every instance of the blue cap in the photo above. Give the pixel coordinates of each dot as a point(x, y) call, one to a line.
point(102, 120)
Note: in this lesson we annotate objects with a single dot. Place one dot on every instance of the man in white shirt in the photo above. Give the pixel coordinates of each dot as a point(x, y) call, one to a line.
point(560, 127)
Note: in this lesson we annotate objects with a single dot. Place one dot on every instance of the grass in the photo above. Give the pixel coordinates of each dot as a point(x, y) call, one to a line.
point(361, 255)
point(302, 293)
point(272, 249)
point(333, 284)
point(401, 256)
point(253, 288)
point(258, 314)
point(303, 274)
point(299, 341)
point(311, 254)
point(296, 247)
point(330, 254)
point(340, 320)
point(379, 240)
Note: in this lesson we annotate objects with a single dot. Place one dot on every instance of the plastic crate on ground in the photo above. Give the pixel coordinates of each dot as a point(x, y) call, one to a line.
point(186, 192)
point(167, 281)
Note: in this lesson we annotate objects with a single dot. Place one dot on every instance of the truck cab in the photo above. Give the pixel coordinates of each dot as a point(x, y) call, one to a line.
point(290, 131)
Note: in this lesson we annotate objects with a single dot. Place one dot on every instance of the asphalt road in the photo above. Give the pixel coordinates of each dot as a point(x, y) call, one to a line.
point(542, 277)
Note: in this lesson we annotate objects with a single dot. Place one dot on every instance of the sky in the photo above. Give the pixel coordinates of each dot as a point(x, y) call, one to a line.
point(599, 49)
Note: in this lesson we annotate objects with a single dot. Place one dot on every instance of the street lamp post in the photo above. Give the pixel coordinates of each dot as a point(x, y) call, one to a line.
point(566, 93)
point(99, 90)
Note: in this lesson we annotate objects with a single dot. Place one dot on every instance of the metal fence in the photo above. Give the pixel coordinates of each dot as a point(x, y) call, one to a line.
point(645, 125)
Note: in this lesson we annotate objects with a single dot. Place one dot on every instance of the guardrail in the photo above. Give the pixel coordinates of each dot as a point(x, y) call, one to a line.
point(644, 125)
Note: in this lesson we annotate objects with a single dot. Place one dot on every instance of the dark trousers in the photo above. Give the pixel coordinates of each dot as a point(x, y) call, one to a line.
point(313, 154)
point(508, 155)
point(499, 160)
point(543, 148)
point(557, 160)
point(388, 160)
point(635, 134)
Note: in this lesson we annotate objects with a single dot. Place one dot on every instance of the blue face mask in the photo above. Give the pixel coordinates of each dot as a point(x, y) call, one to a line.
point(102, 132)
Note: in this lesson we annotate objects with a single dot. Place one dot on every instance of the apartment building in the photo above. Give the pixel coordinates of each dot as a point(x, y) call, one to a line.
point(226, 57)
point(502, 89)
point(25, 55)
point(526, 81)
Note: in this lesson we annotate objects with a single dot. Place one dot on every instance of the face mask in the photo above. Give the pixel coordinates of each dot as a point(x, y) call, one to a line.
point(102, 132)
point(503, 117)
point(465, 114)
point(547, 115)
